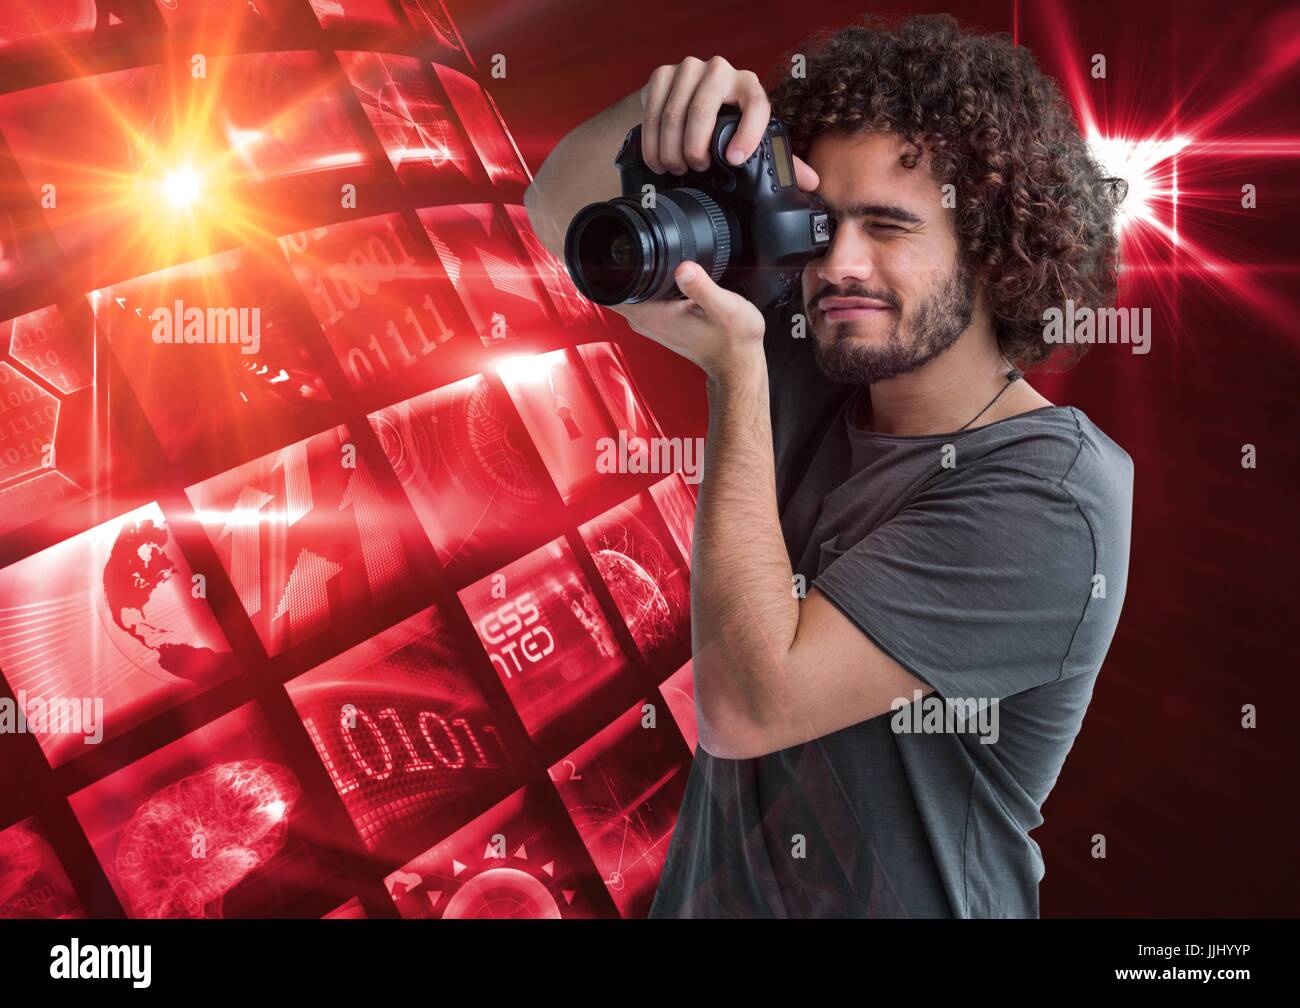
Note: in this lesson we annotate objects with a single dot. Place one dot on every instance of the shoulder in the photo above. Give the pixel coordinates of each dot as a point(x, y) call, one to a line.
point(1048, 482)
point(1057, 444)
point(1102, 474)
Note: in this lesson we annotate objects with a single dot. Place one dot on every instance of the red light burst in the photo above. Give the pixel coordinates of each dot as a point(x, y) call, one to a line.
point(1188, 160)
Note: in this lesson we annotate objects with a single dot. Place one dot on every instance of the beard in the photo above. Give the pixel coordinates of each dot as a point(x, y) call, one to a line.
point(914, 338)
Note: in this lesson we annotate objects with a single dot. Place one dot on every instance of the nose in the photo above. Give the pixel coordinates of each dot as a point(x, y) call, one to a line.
point(847, 261)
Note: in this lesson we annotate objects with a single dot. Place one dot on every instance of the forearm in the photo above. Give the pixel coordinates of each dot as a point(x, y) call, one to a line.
point(743, 610)
point(580, 170)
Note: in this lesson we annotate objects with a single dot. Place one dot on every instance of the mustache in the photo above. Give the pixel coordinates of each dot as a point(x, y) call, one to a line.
point(888, 297)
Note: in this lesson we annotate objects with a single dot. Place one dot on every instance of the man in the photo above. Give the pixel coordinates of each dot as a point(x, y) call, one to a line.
point(908, 565)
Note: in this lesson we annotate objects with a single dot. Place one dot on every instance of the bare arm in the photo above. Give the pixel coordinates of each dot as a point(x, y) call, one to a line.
point(580, 170)
point(771, 670)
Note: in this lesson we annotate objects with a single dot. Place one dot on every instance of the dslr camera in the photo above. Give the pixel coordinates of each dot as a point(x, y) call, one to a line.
point(749, 225)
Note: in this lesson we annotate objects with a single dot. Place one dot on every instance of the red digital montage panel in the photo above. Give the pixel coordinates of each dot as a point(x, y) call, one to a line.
point(306, 537)
point(406, 735)
point(479, 117)
point(508, 863)
point(226, 16)
point(562, 415)
point(573, 308)
point(97, 187)
point(56, 446)
point(622, 789)
point(30, 26)
point(33, 885)
point(39, 341)
point(679, 693)
point(282, 119)
point(351, 910)
point(545, 634)
point(457, 452)
point(25, 252)
point(677, 507)
point(103, 631)
point(354, 14)
point(157, 181)
point(213, 825)
point(632, 418)
point(646, 576)
point(385, 312)
point(431, 20)
point(499, 290)
point(413, 122)
point(214, 356)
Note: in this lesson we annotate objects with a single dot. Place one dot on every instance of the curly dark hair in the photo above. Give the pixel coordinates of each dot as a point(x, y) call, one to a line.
point(1035, 212)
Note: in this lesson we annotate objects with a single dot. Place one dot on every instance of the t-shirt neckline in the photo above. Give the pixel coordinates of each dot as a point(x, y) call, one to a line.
point(851, 404)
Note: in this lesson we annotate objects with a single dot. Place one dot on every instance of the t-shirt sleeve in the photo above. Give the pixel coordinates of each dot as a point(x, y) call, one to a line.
point(977, 586)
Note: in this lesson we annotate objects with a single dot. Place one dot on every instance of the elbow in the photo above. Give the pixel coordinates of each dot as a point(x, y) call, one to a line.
point(533, 203)
point(727, 729)
point(535, 195)
point(539, 217)
point(730, 741)
point(532, 196)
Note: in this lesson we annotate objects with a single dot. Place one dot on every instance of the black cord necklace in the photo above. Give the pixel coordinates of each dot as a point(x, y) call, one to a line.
point(1012, 375)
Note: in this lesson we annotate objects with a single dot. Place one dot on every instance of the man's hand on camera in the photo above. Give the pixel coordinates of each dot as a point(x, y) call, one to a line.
point(717, 329)
point(680, 104)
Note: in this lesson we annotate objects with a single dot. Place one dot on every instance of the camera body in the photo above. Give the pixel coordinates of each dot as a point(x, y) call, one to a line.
point(748, 225)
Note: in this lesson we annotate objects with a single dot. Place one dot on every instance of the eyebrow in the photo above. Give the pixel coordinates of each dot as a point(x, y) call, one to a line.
point(884, 210)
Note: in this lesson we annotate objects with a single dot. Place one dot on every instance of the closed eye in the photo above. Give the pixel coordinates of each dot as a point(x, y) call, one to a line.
point(881, 227)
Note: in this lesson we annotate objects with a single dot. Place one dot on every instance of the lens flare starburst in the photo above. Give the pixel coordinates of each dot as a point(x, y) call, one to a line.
point(182, 187)
point(165, 172)
point(1147, 166)
point(1184, 161)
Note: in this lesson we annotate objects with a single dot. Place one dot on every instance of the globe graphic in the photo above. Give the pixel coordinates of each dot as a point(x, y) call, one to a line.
point(138, 565)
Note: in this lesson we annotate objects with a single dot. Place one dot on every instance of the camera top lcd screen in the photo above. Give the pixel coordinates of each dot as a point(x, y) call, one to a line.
point(782, 158)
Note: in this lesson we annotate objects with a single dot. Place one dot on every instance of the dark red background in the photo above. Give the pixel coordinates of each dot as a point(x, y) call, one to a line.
point(1199, 814)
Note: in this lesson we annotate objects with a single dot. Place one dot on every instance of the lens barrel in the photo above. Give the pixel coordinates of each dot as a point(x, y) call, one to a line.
point(621, 252)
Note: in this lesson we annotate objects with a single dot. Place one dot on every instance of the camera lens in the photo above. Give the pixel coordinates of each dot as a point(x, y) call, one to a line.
point(610, 250)
point(621, 251)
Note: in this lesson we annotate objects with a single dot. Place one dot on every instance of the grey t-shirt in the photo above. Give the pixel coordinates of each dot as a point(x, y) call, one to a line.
point(990, 563)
